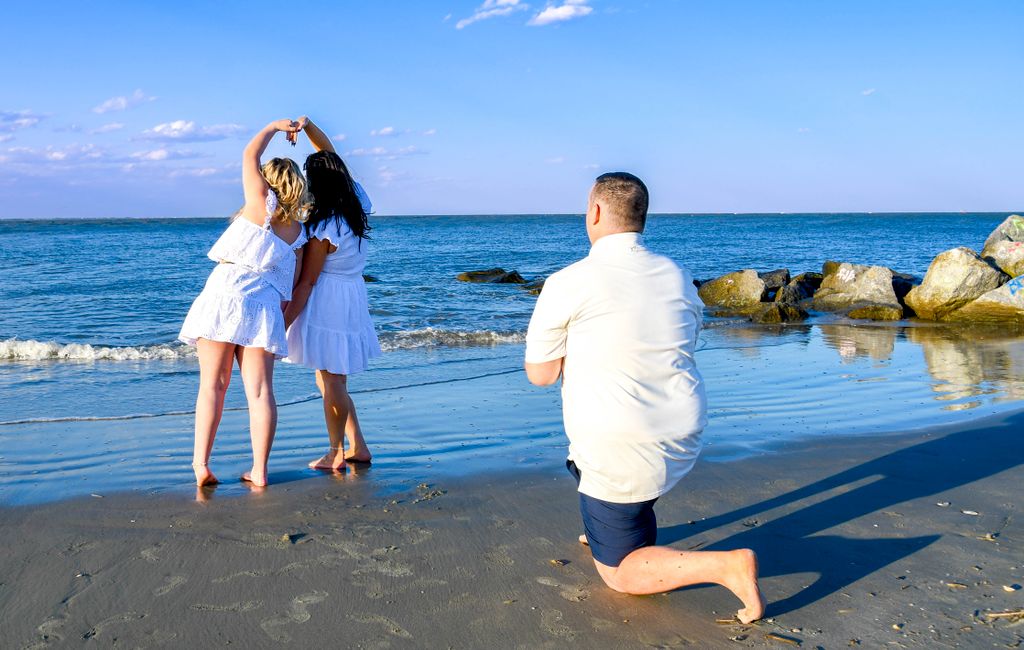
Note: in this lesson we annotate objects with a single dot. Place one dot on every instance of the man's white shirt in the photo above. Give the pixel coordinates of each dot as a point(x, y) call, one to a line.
point(626, 320)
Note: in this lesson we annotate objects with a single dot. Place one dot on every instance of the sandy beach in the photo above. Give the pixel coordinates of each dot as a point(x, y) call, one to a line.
point(903, 540)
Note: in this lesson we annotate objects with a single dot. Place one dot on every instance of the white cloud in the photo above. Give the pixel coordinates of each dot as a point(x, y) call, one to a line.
point(16, 120)
point(124, 102)
point(387, 130)
point(6, 137)
point(166, 154)
point(556, 160)
point(592, 167)
point(430, 132)
point(340, 137)
point(108, 128)
point(568, 10)
point(803, 129)
point(187, 131)
point(869, 91)
point(75, 153)
point(388, 154)
point(492, 9)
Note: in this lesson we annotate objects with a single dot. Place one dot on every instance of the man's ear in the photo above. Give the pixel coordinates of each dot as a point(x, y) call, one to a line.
point(595, 214)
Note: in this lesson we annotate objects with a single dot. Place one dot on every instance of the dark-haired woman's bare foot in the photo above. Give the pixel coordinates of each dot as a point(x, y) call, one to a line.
point(203, 475)
point(256, 478)
point(359, 455)
point(332, 461)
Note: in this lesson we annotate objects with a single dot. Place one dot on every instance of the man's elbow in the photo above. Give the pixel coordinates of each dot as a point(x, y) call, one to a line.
point(543, 374)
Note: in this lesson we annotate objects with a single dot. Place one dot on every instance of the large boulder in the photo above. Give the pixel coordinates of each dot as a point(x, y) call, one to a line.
point(1007, 255)
point(954, 278)
point(774, 280)
point(491, 276)
point(847, 286)
point(799, 288)
point(741, 291)
point(1012, 229)
point(778, 312)
point(1005, 303)
point(902, 283)
point(874, 311)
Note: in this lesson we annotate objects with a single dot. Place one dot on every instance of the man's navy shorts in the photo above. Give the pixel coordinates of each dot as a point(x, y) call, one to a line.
point(614, 530)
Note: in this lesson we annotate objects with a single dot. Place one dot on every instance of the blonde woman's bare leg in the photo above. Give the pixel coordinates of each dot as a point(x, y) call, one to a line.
point(357, 452)
point(215, 362)
point(257, 367)
point(334, 389)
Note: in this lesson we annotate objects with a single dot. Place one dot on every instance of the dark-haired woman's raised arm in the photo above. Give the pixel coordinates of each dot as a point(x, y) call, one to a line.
point(319, 139)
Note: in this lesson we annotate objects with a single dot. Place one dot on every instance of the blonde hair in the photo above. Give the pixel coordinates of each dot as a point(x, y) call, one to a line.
point(284, 176)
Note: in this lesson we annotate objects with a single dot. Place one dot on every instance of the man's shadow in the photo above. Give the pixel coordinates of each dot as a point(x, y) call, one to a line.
point(789, 544)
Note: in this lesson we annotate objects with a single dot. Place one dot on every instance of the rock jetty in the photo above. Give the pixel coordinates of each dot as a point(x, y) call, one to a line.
point(961, 285)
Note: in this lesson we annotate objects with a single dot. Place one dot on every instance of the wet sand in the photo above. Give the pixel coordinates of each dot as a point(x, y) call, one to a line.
point(898, 540)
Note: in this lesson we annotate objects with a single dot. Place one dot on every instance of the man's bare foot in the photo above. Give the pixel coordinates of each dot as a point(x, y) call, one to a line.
point(256, 478)
point(332, 461)
point(742, 581)
point(203, 475)
point(583, 540)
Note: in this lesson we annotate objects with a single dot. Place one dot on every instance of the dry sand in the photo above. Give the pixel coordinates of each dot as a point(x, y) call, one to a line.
point(896, 541)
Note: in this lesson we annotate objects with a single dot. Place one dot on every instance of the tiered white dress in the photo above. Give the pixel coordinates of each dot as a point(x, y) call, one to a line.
point(335, 332)
point(241, 302)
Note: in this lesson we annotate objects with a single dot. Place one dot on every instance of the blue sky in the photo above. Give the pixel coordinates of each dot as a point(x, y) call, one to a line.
point(502, 106)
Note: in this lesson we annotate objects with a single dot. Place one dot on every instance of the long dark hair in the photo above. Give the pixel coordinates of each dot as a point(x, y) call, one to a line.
point(334, 194)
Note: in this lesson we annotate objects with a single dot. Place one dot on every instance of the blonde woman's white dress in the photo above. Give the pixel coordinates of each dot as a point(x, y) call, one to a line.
point(241, 302)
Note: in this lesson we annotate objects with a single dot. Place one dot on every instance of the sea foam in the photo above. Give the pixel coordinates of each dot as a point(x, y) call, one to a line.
point(19, 350)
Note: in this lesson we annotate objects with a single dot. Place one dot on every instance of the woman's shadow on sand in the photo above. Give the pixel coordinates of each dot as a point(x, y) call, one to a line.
point(789, 544)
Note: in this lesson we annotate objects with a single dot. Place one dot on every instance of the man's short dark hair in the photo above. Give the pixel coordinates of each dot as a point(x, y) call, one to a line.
point(626, 196)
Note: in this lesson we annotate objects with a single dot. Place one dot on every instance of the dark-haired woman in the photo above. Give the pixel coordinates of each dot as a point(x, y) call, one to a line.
point(329, 324)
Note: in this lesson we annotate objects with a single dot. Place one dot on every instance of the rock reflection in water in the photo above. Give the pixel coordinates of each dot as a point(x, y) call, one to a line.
point(972, 362)
point(855, 341)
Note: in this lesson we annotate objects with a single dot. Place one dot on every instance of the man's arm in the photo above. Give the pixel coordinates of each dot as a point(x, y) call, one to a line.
point(545, 373)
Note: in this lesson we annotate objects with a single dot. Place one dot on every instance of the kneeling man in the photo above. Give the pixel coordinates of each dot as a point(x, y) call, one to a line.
point(620, 327)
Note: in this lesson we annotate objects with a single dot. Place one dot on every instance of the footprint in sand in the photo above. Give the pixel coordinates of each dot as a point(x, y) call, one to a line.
point(551, 621)
point(298, 612)
point(246, 606)
point(127, 617)
point(48, 631)
point(149, 554)
point(173, 582)
point(392, 628)
point(499, 556)
point(572, 593)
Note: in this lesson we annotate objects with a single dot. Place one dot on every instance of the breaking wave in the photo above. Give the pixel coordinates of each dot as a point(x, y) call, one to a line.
point(18, 350)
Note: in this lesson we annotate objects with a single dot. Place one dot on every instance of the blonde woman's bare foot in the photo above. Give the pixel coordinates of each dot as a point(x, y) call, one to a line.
point(742, 581)
point(583, 540)
point(332, 461)
point(203, 475)
point(256, 478)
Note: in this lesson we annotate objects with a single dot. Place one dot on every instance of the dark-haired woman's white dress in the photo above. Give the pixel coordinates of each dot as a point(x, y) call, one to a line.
point(335, 332)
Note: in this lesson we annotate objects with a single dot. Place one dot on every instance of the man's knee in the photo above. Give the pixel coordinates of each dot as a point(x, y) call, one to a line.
point(613, 577)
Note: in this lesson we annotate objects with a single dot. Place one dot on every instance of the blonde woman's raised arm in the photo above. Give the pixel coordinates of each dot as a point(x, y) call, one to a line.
point(253, 183)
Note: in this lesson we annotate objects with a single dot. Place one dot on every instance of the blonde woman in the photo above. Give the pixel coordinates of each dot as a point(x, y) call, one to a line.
point(238, 315)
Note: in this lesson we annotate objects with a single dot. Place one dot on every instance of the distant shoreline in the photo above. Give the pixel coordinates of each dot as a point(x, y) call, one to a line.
point(534, 214)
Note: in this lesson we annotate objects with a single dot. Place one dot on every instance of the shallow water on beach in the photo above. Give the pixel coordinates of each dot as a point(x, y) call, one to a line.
point(96, 397)
point(433, 414)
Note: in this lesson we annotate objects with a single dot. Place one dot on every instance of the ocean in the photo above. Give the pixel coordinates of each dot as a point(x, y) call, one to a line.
point(91, 309)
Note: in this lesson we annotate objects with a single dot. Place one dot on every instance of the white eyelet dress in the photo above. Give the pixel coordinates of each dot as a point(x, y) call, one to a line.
point(335, 332)
point(241, 302)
